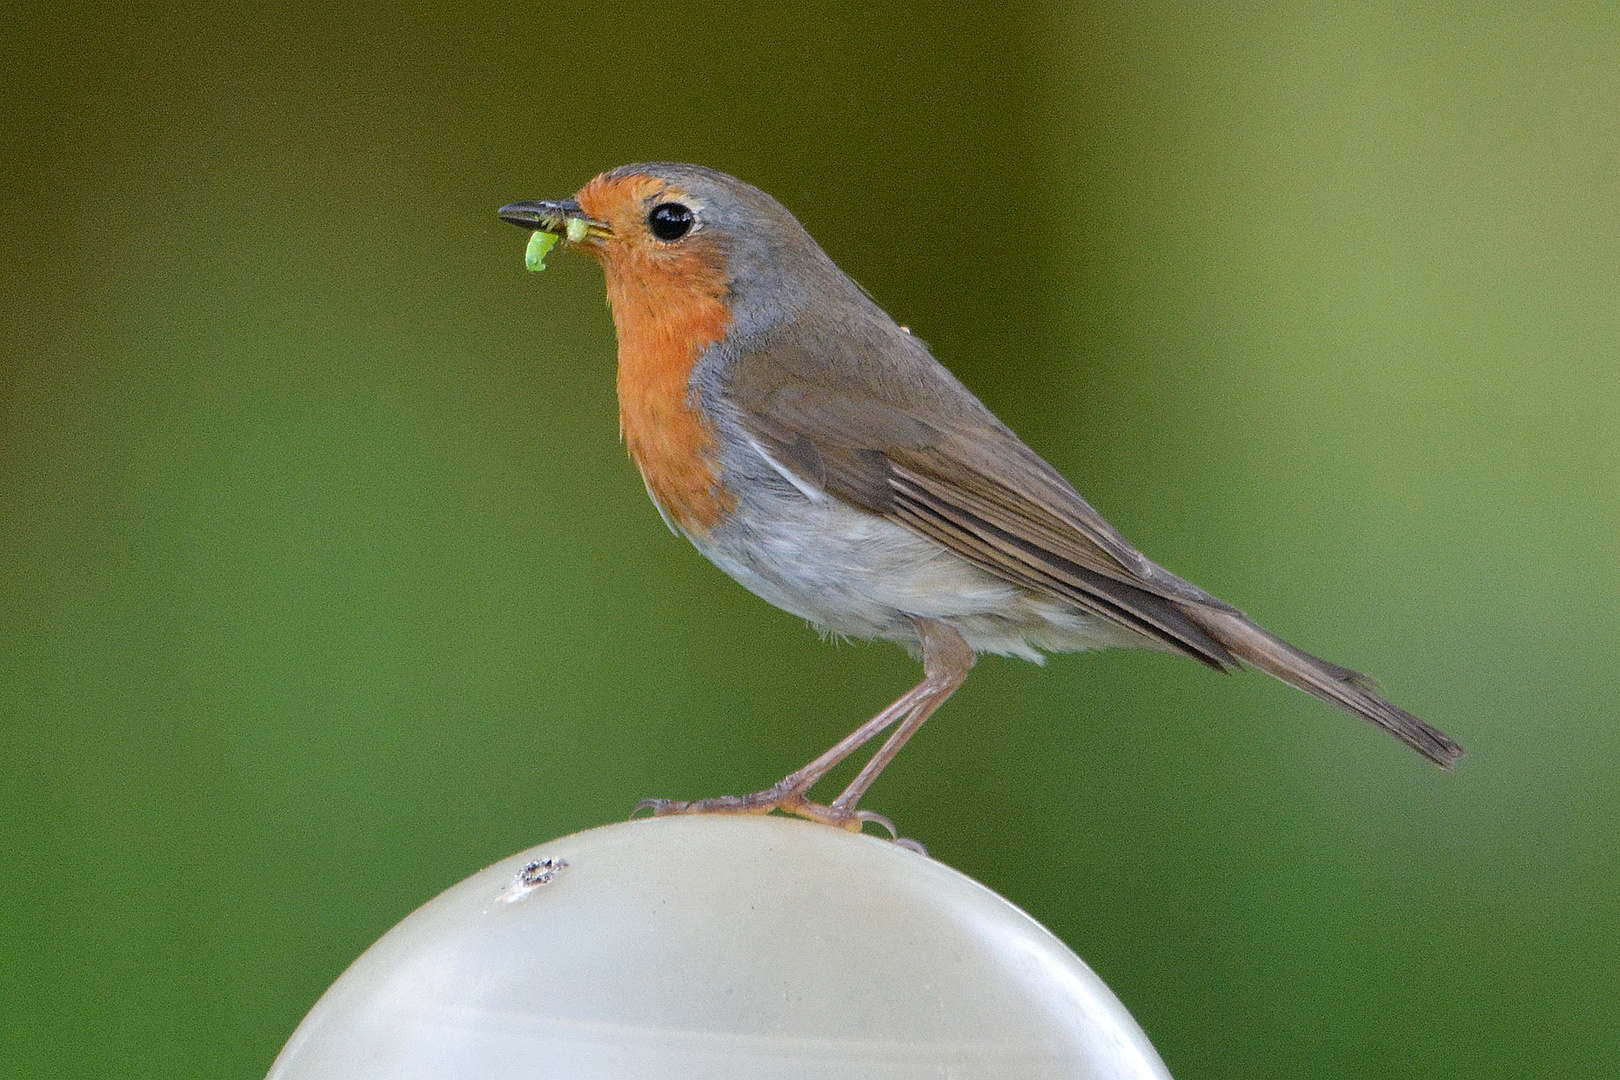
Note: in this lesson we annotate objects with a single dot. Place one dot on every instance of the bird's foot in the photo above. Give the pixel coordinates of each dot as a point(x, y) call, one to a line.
point(781, 797)
point(761, 802)
point(784, 799)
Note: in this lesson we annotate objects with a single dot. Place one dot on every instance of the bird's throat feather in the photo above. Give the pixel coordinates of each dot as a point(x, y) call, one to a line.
point(666, 312)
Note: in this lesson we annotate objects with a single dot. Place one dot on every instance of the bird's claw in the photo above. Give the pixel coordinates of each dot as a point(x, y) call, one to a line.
point(894, 834)
point(789, 802)
point(719, 804)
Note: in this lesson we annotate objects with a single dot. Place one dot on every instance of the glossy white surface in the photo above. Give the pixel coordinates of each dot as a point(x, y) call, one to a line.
point(718, 947)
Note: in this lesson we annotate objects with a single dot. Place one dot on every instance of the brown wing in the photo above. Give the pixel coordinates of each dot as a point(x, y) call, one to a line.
point(964, 480)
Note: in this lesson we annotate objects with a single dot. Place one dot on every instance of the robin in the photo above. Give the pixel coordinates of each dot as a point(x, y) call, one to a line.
point(816, 452)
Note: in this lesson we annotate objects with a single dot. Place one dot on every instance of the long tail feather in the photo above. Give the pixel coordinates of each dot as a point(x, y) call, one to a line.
point(1334, 684)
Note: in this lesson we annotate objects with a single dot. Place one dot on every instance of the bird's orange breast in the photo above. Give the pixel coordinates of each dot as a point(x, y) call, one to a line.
point(667, 308)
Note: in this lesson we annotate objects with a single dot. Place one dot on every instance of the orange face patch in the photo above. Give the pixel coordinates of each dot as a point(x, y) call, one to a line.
point(668, 304)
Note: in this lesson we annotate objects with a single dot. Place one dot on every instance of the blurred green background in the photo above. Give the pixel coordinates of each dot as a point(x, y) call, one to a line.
point(325, 580)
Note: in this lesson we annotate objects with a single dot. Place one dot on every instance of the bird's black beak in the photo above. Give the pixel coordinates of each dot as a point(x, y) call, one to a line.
point(563, 217)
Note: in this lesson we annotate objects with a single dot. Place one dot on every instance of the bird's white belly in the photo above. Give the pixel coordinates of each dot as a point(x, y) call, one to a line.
point(853, 573)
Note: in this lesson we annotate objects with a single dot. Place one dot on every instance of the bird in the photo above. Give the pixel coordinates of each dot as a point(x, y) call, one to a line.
point(816, 452)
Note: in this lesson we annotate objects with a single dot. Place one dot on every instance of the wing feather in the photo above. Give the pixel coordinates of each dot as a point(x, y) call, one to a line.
point(1008, 513)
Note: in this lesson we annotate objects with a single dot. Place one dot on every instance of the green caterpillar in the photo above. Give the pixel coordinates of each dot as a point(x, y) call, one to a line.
point(534, 256)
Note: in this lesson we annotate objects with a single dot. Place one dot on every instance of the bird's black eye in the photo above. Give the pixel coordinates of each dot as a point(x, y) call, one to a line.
point(670, 221)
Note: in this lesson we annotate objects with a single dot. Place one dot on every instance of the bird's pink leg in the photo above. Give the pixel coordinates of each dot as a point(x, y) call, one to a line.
point(947, 658)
